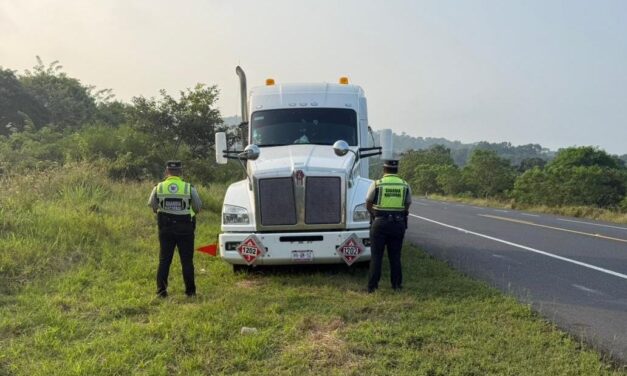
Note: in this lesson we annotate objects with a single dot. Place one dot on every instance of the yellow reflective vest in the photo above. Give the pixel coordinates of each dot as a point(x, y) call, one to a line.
point(174, 197)
point(391, 193)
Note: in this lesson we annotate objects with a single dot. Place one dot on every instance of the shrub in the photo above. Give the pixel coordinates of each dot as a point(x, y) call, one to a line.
point(487, 174)
point(581, 185)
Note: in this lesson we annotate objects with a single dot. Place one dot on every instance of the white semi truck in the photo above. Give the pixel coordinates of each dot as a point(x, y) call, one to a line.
point(307, 176)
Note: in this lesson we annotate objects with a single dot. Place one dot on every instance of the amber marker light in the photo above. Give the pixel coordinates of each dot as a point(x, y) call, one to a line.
point(269, 81)
point(344, 80)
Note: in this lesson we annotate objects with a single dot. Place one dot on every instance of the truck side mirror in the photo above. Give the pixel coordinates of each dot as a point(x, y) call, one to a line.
point(220, 146)
point(340, 147)
point(251, 152)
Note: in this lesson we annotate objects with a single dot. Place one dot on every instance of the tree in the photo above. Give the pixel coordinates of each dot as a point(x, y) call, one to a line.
point(435, 155)
point(529, 163)
point(421, 168)
point(17, 107)
point(537, 187)
point(515, 154)
point(577, 176)
point(112, 113)
point(461, 156)
point(32, 149)
point(580, 185)
point(407, 165)
point(594, 185)
point(487, 174)
point(450, 180)
point(425, 180)
point(69, 103)
point(585, 156)
point(191, 120)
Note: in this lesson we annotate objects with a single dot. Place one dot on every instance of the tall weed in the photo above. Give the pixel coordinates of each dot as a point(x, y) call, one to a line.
point(52, 220)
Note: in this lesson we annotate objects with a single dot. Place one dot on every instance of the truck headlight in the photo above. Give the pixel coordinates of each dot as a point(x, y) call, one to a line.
point(360, 214)
point(234, 215)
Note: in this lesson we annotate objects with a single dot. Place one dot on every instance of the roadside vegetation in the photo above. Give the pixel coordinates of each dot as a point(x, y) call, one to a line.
point(579, 181)
point(48, 119)
point(78, 253)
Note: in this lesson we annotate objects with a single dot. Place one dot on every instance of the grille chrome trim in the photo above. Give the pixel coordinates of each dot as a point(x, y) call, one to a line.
point(276, 202)
point(299, 194)
point(323, 200)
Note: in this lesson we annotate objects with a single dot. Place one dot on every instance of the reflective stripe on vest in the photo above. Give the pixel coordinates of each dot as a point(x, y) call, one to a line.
point(174, 197)
point(391, 197)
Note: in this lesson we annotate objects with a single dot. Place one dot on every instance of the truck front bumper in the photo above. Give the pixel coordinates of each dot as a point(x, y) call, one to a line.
point(279, 247)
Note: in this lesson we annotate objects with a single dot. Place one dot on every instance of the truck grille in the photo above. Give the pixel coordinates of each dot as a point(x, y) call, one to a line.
point(276, 200)
point(323, 200)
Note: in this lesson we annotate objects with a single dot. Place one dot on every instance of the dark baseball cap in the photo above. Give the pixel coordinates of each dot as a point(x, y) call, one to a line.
point(390, 163)
point(173, 165)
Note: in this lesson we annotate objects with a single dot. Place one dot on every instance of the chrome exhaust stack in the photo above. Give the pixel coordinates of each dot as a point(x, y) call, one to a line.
point(243, 92)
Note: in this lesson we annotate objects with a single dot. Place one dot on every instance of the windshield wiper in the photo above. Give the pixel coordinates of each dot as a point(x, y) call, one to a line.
point(264, 145)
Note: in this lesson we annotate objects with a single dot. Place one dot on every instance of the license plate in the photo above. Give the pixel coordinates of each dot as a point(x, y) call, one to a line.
point(302, 255)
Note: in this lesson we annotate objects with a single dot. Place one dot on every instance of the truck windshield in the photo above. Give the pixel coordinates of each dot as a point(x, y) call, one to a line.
point(320, 126)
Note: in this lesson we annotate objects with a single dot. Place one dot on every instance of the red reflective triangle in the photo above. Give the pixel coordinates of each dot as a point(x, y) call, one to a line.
point(211, 249)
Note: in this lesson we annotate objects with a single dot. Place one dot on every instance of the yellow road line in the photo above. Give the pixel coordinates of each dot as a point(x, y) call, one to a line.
point(552, 227)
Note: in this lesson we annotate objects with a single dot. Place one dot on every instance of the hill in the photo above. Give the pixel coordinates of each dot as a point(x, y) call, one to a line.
point(461, 152)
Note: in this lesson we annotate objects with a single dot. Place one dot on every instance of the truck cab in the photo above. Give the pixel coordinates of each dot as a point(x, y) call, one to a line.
point(307, 176)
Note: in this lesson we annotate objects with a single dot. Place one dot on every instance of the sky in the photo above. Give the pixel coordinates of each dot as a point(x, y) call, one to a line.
point(524, 71)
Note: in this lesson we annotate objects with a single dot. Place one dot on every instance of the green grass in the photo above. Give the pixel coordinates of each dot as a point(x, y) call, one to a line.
point(78, 256)
point(588, 212)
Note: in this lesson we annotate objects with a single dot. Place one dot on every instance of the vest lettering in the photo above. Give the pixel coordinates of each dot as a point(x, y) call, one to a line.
point(392, 190)
point(175, 198)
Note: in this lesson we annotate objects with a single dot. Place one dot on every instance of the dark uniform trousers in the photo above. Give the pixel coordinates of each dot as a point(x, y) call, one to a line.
point(176, 231)
point(386, 231)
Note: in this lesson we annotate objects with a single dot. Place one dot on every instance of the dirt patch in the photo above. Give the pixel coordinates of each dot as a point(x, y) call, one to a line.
point(315, 328)
point(323, 345)
point(324, 335)
point(249, 283)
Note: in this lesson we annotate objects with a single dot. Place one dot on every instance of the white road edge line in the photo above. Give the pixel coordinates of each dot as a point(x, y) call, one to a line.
point(586, 289)
point(585, 265)
point(529, 215)
point(593, 224)
point(501, 210)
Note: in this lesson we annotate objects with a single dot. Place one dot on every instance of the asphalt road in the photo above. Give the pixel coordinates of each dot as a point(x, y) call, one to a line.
point(573, 271)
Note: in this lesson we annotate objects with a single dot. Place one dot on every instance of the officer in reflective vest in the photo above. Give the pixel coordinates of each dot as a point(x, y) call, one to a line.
point(176, 203)
point(388, 202)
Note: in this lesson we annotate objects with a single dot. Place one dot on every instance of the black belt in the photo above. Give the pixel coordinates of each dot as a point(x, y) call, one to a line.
point(385, 213)
point(396, 216)
point(167, 218)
